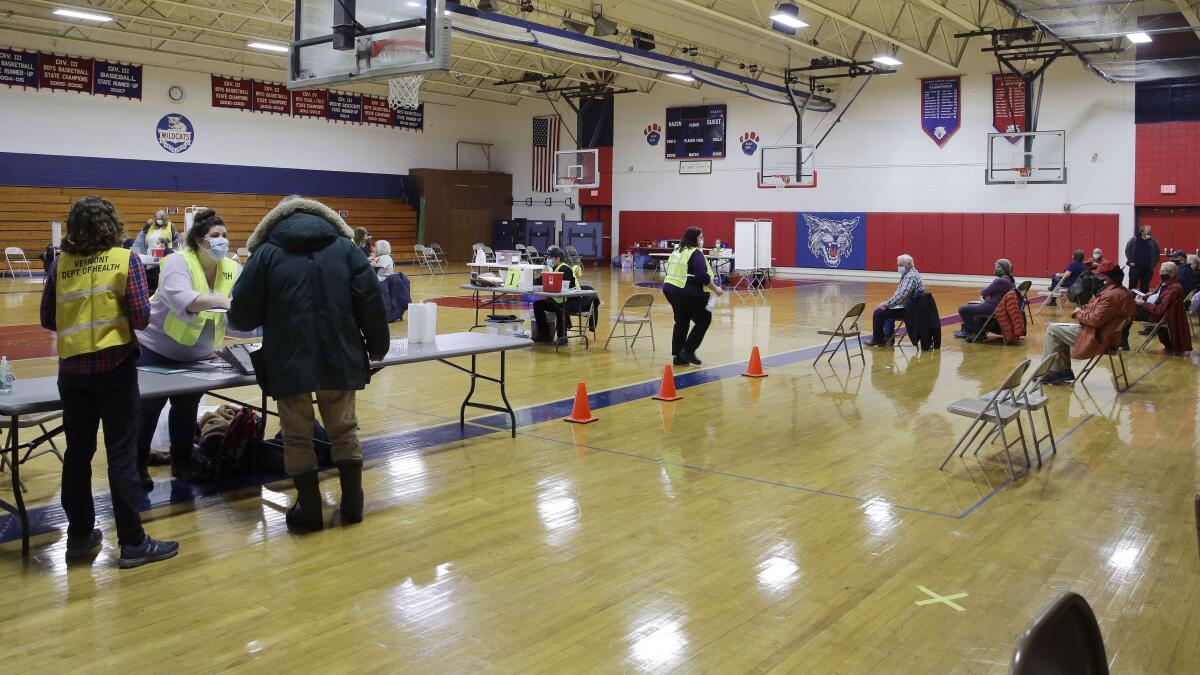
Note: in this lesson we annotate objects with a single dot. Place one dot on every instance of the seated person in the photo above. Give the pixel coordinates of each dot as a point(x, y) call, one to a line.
point(975, 313)
point(1168, 302)
point(1096, 332)
point(1068, 276)
point(884, 318)
point(1097, 259)
point(157, 232)
point(1187, 276)
point(1193, 262)
point(556, 261)
point(382, 260)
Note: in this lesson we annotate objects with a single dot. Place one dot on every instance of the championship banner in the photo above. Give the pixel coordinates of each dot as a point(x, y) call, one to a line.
point(376, 111)
point(117, 79)
point(66, 73)
point(407, 118)
point(941, 112)
point(345, 107)
point(310, 103)
point(831, 240)
point(230, 92)
point(272, 98)
point(18, 69)
point(1008, 104)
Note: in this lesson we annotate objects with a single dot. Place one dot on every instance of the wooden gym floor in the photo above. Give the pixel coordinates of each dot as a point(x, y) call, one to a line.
point(794, 523)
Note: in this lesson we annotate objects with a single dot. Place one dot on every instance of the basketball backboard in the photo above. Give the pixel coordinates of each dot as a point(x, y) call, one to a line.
point(787, 166)
point(1028, 157)
point(350, 40)
point(576, 169)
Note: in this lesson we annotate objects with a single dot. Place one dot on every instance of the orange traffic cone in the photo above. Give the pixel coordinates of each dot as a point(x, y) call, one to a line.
point(582, 414)
point(666, 391)
point(755, 369)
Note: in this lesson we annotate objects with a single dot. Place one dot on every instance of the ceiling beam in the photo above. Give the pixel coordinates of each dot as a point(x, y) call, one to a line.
point(953, 17)
point(751, 26)
point(1189, 14)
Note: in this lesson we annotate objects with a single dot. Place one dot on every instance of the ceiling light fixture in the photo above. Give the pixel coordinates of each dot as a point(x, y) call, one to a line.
point(87, 16)
point(885, 60)
point(268, 47)
point(1139, 38)
point(604, 26)
point(682, 76)
point(786, 18)
point(487, 6)
point(575, 25)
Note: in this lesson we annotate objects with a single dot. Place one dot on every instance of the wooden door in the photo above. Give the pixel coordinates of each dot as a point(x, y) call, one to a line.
point(467, 226)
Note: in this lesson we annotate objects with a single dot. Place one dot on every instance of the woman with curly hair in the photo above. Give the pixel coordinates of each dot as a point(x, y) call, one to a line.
point(95, 297)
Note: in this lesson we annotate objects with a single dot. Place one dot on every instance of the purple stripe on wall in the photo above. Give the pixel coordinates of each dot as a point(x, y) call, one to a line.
point(136, 174)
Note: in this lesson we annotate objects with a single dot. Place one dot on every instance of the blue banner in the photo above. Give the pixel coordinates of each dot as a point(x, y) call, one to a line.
point(345, 107)
point(18, 69)
point(941, 109)
point(117, 79)
point(831, 240)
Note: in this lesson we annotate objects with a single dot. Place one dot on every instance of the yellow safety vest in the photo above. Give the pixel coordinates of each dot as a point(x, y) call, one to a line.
point(187, 332)
point(560, 267)
point(89, 295)
point(677, 267)
point(165, 234)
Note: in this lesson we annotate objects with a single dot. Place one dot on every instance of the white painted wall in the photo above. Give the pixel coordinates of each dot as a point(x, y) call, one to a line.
point(879, 159)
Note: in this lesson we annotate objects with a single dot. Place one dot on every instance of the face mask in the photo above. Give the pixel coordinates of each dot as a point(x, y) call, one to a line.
point(217, 248)
point(158, 221)
point(1095, 256)
point(1145, 235)
point(900, 269)
point(999, 272)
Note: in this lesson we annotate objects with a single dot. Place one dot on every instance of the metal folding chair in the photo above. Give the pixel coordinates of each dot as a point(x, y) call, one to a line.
point(842, 333)
point(422, 258)
point(1063, 638)
point(1162, 324)
point(14, 257)
point(1031, 397)
point(1118, 374)
point(1023, 291)
point(983, 329)
point(535, 258)
point(640, 319)
point(1058, 295)
point(39, 420)
point(991, 412)
point(441, 253)
point(573, 257)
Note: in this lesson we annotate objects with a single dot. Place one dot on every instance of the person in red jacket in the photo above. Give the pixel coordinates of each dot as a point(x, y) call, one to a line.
point(1168, 302)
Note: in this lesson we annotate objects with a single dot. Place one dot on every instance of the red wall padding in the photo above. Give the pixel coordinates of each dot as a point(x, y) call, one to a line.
point(944, 243)
point(1167, 155)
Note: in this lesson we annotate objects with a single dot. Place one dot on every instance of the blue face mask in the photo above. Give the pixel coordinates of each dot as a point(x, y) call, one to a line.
point(218, 248)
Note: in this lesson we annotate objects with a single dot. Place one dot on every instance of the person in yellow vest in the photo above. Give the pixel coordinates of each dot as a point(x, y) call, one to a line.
point(94, 299)
point(556, 261)
point(687, 286)
point(187, 324)
point(159, 231)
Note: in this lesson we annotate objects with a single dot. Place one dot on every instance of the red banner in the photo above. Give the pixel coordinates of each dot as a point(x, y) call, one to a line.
point(310, 103)
point(68, 73)
point(228, 92)
point(1008, 103)
point(272, 98)
point(376, 111)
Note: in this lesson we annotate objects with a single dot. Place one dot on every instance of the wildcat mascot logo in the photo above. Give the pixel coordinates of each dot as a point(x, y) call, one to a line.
point(831, 240)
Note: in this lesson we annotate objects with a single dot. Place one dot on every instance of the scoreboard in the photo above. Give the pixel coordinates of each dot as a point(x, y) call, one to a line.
point(696, 132)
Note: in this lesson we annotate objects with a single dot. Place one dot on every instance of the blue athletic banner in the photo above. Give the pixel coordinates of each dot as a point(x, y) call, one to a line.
point(117, 79)
point(345, 107)
point(18, 69)
point(941, 110)
point(831, 240)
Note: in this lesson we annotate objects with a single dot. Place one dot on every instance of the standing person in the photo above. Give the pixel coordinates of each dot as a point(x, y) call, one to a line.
point(688, 283)
point(183, 330)
point(1068, 276)
point(556, 261)
point(319, 304)
point(883, 319)
point(362, 239)
point(1141, 253)
point(95, 296)
point(975, 313)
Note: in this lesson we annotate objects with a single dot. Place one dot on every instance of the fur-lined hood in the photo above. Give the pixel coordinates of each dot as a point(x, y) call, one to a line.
point(293, 206)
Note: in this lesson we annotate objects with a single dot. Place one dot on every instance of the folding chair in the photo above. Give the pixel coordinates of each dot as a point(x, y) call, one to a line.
point(1063, 638)
point(15, 257)
point(990, 411)
point(441, 253)
point(1031, 397)
point(1118, 375)
point(843, 332)
point(488, 253)
point(1058, 295)
point(520, 249)
point(983, 329)
point(422, 259)
point(535, 258)
point(1023, 291)
point(1162, 323)
point(434, 259)
point(39, 420)
point(640, 319)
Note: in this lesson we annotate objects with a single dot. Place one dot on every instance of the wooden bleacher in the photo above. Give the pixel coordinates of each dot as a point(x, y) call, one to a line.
point(26, 212)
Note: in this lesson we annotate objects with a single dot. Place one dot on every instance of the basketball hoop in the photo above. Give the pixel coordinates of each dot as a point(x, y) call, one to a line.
point(1023, 174)
point(404, 92)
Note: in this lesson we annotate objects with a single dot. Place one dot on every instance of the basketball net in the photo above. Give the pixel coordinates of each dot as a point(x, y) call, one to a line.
point(783, 180)
point(404, 92)
point(1023, 174)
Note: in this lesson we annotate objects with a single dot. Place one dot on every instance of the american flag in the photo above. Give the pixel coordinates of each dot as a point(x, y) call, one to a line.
point(545, 145)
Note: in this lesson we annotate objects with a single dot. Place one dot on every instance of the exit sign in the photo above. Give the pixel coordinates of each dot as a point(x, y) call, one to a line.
point(1166, 189)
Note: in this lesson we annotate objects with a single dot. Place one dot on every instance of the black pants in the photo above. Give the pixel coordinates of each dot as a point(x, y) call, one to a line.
point(1139, 277)
point(883, 323)
point(88, 400)
point(181, 421)
point(540, 308)
point(973, 316)
point(688, 310)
